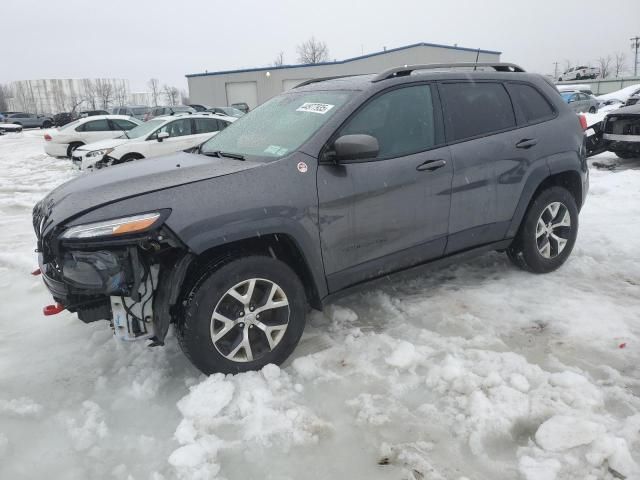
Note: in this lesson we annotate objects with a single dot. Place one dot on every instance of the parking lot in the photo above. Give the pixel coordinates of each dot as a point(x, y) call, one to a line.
point(447, 375)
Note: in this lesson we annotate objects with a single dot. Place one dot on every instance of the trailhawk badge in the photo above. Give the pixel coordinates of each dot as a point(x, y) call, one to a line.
point(302, 167)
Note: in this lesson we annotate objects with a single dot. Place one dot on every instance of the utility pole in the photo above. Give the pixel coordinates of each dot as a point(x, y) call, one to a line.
point(555, 70)
point(635, 43)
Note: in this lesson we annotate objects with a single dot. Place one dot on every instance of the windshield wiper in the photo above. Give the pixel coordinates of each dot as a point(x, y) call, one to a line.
point(219, 154)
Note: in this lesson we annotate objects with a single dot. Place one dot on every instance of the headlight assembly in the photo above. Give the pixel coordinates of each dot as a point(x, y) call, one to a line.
point(99, 153)
point(115, 227)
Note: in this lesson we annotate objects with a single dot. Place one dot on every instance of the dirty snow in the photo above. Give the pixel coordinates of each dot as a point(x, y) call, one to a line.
point(475, 371)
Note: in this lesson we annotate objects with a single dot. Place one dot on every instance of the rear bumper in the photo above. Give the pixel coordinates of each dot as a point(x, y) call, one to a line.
point(56, 149)
point(621, 138)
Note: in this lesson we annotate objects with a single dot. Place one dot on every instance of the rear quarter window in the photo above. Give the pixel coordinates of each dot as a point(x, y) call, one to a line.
point(474, 109)
point(533, 106)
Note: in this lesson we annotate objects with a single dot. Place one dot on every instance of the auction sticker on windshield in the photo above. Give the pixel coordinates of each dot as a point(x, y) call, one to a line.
point(320, 108)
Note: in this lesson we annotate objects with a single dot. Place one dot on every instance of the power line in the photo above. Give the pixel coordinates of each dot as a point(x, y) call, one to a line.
point(634, 46)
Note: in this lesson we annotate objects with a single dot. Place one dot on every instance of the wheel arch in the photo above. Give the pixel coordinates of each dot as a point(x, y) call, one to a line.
point(278, 245)
point(569, 179)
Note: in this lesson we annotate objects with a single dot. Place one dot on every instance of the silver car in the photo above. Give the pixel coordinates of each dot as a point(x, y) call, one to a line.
point(581, 102)
point(29, 120)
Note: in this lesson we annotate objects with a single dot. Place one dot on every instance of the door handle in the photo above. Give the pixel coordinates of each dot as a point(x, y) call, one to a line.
point(431, 165)
point(526, 143)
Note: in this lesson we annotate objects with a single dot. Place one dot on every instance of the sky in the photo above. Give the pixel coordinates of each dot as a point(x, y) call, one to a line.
point(166, 39)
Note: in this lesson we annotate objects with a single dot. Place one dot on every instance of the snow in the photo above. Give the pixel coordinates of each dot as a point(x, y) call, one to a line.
point(474, 371)
point(622, 94)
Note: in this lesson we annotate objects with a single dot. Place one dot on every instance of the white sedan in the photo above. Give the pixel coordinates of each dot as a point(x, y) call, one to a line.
point(62, 141)
point(159, 136)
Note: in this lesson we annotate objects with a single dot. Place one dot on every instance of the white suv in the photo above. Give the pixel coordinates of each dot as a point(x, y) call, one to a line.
point(159, 136)
point(579, 73)
point(61, 142)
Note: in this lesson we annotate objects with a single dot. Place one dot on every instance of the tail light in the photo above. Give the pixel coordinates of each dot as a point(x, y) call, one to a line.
point(583, 122)
point(47, 137)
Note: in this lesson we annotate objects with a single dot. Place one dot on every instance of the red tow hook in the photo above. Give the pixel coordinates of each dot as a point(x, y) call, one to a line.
point(36, 272)
point(52, 309)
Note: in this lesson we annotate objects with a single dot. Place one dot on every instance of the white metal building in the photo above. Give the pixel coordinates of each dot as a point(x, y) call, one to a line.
point(256, 85)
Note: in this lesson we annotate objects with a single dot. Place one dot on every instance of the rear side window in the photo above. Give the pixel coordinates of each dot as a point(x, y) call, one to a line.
point(206, 125)
point(120, 124)
point(401, 120)
point(94, 126)
point(473, 109)
point(533, 106)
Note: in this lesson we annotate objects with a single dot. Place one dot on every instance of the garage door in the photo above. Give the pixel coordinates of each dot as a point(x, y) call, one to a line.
point(242, 92)
point(289, 84)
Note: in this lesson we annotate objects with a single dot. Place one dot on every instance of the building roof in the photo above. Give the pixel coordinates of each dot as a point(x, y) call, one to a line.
point(347, 60)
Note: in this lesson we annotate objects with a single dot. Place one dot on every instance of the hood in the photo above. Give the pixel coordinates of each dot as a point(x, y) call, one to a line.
point(89, 191)
point(109, 143)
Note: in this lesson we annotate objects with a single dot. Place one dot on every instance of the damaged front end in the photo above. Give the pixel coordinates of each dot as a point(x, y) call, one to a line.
point(621, 133)
point(126, 270)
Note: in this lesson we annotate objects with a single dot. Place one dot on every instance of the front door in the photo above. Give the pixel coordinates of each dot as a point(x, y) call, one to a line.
point(392, 211)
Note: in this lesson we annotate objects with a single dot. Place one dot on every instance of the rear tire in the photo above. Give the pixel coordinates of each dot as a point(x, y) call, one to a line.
point(275, 300)
point(592, 110)
point(547, 233)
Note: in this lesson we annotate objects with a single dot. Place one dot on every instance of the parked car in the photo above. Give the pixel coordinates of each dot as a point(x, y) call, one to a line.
point(141, 112)
point(581, 102)
point(243, 107)
point(63, 141)
point(61, 119)
point(621, 132)
point(229, 111)
point(159, 136)
point(199, 108)
point(171, 110)
point(93, 113)
point(358, 178)
point(9, 128)
point(29, 120)
point(584, 88)
point(633, 99)
point(579, 73)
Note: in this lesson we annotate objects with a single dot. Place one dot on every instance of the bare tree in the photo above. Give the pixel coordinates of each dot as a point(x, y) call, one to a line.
point(171, 94)
point(604, 63)
point(619, 64)
point(312, 51)
point(5, 96)
point(154, 87)
point(279, 61)
point(120, 94)
point(104, 92)
point(90, 93)
point(25, 97)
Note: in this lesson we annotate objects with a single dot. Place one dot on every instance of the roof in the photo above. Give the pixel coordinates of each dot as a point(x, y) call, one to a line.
point(166, 118)
point(338, 62)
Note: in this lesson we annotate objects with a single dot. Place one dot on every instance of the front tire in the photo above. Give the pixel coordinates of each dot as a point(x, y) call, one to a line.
point(72, 147)
point(242, 314)
point(592, 110)
point(548, 232)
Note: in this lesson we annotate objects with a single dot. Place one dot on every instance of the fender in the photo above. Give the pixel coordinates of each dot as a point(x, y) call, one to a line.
point(536, 176)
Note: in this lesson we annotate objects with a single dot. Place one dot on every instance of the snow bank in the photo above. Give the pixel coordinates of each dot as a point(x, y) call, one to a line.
point(622, 94)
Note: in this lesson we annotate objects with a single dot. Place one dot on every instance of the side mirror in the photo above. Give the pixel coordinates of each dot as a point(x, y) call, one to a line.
point(355, 147)
point(162, 136)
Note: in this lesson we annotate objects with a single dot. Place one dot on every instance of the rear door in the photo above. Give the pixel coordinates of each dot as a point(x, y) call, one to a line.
point(479, 120)
point(389, 212)
point(96, 130)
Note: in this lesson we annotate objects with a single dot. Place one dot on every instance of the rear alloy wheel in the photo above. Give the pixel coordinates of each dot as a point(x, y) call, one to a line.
point(548, 232)
point(243, 315)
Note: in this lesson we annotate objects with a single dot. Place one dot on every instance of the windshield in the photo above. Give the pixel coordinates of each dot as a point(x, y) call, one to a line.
point(144, 129)
point(141, 110)
point(278, 126)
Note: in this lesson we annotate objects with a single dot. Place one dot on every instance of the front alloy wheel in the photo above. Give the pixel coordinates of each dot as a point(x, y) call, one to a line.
point(241, 313)
point(250, 320)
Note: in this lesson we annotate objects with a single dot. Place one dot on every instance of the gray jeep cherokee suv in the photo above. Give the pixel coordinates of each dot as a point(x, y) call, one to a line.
point(320, 189)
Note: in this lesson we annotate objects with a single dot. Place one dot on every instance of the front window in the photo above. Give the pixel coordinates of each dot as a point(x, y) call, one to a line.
point(278, 126)
point(177, 128)
point(144, 129)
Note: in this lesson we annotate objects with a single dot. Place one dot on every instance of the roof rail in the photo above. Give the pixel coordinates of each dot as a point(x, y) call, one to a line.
point(322, 79)
point(407, 69)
